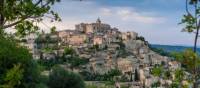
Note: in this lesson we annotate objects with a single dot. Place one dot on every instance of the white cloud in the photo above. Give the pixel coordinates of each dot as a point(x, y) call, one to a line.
point(106, 11)
point(131, 15)
point(153, 25)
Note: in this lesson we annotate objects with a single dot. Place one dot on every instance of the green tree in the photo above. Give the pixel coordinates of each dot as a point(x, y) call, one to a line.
point(156, 84)
point(53, 30)
point(61, 78)
point(12, 54)
point(69, 51)
point(157, 71)
point(186, 58)
point(13, 77)
point(112, 73)
point(179, 74)
point(191, 21)
point(167, 75)
point(24, 14)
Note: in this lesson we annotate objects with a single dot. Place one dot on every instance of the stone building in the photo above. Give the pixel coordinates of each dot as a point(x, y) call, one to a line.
point(125, 65)
point(129, 35)
point(76, 39)
point(98, 40)
point(97, 27)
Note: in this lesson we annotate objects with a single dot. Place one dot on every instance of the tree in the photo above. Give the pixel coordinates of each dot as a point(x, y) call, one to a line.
point(187, 59)
point(137, 75)
point(167, 74)
point(53, 30)
point(25, 14)
point(76, 61)
point(13, 77)
point(157, 71)
point(61, 78)
point(157, 84)
point(17, 67)
point(69, 51)
point(191, 20)
point(179, 74)
point(113, 72)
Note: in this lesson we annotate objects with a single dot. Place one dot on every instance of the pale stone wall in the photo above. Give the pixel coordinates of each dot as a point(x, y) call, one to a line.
point(125, 65)
point(89, 28)
point(65, 33)
point(129, 35)
point(76, 39)
point(98, 40)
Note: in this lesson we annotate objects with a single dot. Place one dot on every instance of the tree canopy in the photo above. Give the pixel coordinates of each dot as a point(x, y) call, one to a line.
point(24, 15)
point(61, 78)
point(16, 65)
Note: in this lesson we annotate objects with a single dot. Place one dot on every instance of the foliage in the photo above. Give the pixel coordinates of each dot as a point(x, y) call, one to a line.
point(191, 22)
point(186, 58)
point(113, 72)
point(156, 85)
point(174, 85)
point(61, 78)
point(24, 14)
point(160, 51)
point(69, 51)
point(167, 74)
point(179, 75)
point(72, 58)
point(48, 64)
point(13, 77)
point(12, 54)
point(157, 71)
point(53, 30)
point(108, 76)
point(140, 38)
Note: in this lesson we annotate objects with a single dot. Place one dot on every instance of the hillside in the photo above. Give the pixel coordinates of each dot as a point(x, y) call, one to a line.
point(172, 48)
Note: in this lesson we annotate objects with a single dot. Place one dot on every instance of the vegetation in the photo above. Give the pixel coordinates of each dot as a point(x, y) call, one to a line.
point(157, 71)
point(109, 76)
point(24, 14)
point(160, 51)
point(61, 78)
point(17, 69)
point(191, 22)
point(157, 84)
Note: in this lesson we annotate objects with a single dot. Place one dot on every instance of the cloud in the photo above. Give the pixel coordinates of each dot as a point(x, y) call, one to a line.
point(106, 11)
point(157, 26)
point(131, 15)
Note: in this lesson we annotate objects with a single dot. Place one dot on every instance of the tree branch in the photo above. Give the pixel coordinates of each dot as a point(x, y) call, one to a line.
point(186, 8)
point(37, 3)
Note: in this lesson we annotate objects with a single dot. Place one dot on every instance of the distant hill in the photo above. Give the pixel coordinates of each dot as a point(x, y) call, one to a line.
point(172, 48)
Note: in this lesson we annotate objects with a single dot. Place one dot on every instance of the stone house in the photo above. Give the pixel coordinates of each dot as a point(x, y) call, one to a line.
point(65, 33)
point(98, 40)
point(125, 65)
point(76, 39)
point(173, 65)
point(129, 35)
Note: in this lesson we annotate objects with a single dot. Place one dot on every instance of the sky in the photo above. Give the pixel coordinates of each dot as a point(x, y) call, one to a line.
point(156, 20)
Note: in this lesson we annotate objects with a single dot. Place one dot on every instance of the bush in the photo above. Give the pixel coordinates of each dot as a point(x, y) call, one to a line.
point(61, 78)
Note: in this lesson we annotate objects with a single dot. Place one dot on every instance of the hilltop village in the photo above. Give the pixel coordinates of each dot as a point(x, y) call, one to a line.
point(105, 48)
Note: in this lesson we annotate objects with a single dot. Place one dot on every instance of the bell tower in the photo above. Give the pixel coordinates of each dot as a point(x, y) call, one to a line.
point(98, 21)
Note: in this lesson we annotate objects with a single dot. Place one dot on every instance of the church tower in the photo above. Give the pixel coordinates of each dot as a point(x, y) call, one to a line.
point(98, 21)
point(98, 25)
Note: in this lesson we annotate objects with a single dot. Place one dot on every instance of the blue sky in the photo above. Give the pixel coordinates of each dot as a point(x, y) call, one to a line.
point(156, 20)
